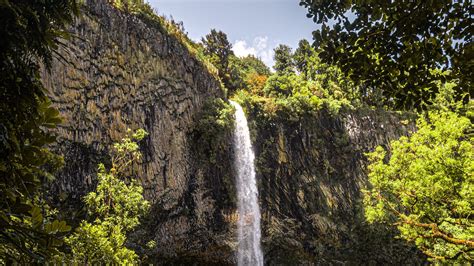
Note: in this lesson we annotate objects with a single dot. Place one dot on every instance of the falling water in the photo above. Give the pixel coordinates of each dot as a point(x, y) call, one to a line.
point(249, 252)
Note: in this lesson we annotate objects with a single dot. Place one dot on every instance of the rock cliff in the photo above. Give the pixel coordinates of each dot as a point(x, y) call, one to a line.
point(311, 171)
point(119, 72)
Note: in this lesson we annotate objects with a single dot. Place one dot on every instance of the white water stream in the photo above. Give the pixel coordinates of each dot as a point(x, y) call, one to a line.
point(249, 251)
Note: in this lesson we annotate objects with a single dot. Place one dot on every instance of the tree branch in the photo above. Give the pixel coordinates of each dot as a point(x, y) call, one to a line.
point(437, 233)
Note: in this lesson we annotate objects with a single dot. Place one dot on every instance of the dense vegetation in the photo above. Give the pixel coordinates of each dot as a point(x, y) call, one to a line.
point(426, 187)
point(115, 208)
point(398, 48)
point(31, 33)
point(301, 85)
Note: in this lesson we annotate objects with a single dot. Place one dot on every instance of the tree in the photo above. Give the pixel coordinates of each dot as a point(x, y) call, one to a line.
point(255, 83)
point(252, 71)
point(31, 33)
point(251, 64)
point(219, 50)
point(283, 59)
point(116, 207)
point(332, 82)
point(302, 56)
point(234, 78)
point(396, 46)
point(283, 85)
point(426, 187)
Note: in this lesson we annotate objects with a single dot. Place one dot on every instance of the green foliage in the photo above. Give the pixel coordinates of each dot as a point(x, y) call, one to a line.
point(259, 107)
point(219, 51)
point(234, 78)
point(31, 33)
point(445, 99)
point(283, 59)
point(116, 206)
point(32, 30)
point(211, 140)
point(251, 64)
point(248, 73)
point(283, 84)
point(296, 94)
point(100, 243)
point(151, 244)
point(334, 83)
point(299, 96)
point(131, 6)
point(235, 73)
point(426, 187)
point(218, 48)
point(302, 56)
point(216, 119)
point(393, 47)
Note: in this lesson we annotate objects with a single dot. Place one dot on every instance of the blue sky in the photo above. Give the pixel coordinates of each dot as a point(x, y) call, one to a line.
point(252, 26)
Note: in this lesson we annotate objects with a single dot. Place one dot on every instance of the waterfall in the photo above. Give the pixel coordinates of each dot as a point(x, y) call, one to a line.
point(248, 225)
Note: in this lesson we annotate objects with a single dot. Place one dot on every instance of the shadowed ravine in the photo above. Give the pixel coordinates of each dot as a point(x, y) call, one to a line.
point(249, 251)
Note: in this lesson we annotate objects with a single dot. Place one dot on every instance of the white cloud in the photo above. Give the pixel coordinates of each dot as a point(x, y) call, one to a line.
point(241, 49)
point(258, 48)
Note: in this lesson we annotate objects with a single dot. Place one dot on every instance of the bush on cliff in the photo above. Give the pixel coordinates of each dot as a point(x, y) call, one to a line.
point(115, 207)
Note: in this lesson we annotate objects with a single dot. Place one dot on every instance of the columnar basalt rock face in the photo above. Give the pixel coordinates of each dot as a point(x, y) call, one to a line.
point(311, 174)
point(118, 72)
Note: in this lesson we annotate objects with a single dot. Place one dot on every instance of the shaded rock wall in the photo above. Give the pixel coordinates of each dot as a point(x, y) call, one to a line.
point(311, 171)
point(118, 73)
